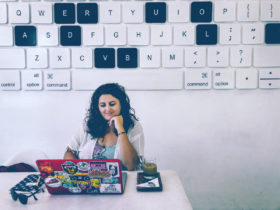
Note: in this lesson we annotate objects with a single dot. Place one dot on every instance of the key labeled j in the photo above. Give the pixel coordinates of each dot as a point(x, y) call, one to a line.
point(70, 35)
point(25, 35)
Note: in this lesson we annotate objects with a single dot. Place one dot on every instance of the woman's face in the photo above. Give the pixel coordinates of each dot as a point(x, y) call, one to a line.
point(109, 106)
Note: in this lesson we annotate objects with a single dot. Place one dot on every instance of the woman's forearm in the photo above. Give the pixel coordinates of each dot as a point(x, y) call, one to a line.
point(128, 153)
point(69, 155)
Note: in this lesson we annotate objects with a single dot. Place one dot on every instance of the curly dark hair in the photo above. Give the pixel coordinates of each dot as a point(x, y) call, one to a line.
point(96, 124)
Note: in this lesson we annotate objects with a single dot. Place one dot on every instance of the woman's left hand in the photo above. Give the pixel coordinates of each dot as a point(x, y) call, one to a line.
point(118, 123)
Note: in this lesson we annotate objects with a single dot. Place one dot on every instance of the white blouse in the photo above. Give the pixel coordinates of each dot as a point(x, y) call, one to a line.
point(84, 144)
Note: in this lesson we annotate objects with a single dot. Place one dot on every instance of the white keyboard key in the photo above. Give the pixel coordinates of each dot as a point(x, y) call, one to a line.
point(218, 56)
point(197, 79)
point(248, 10)
point(241, 56)
point(270, 10)
point(269, 78)
point(195, 56)
point(57, 80)
point(3, 13)
point(246, 78)
point(41, 13)
point(172, 57)
point(223, 78)
point(178, 12)
point(230, 33)
point(82, 58)
point(133, 12)
point(150, 57)
point(265, 56)
point(115, 35)
point(9, 80)
point(6, 36)
point(161, 35)
point(9, 56)
point(37, 58)
point(110, 12)
point(93, 35)
point(132, 80)
point(253, 33)
point(184, 34)
point(19, 13)
point(32, 80)
point(138, 34)
point(224, 11)
point(59, 57)
point(47, 35)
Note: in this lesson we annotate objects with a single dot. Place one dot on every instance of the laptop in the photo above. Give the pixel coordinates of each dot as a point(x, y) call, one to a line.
point(82, 176)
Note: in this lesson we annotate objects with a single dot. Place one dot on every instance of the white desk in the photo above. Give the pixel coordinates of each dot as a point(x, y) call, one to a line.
point(172, 197)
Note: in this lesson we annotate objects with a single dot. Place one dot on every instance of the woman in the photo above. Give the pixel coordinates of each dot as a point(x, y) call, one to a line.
point(111, 129)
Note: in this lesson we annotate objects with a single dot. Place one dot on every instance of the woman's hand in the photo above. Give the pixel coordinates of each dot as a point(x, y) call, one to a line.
point(117, 121)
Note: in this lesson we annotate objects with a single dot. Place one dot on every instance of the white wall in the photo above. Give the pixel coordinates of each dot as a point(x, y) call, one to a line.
point(224, 144)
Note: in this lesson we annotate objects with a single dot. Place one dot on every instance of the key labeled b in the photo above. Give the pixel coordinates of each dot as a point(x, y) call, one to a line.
point(127, 57)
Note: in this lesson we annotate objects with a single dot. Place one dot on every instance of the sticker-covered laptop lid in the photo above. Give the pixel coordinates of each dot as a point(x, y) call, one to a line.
point(82, 176)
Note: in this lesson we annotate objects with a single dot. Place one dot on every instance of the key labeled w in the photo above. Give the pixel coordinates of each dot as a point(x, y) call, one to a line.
point(41, 12)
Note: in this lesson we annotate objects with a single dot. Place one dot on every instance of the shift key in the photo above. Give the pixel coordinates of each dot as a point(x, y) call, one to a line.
point(266, 56)
point(12, 59)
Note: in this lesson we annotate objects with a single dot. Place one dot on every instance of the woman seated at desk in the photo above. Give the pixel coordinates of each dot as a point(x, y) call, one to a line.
point(110, 130)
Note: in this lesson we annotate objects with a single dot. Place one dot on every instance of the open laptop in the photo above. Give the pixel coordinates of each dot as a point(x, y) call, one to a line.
point(82, 176)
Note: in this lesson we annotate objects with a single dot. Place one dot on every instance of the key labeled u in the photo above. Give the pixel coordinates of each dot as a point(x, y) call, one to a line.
point(156, 12)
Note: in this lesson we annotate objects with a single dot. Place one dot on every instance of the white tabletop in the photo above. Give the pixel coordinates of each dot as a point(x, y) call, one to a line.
point(172, 196)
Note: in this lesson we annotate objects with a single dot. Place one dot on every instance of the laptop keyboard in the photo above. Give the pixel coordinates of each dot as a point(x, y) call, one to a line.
point(168, 45)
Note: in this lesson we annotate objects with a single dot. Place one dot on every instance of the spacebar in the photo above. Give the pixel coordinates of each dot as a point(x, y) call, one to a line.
point(12, 59)
point(266, 56)
point(130, 79)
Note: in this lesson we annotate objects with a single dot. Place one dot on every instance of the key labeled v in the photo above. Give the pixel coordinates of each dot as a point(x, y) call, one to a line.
point(104, 57)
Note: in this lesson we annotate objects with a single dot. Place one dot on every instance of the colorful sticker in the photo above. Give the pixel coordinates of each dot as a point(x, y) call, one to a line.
point(69, 184)
point(114, 169)
point(110, 180)
point(110, 188)
point(99, 173)
point(83, 167)
point(79, 177)
point(101, 165)
point(75, 189)
point(84, 185)
point(45, 168)
point(96, 183)
point(52, 182)
point(69, 167)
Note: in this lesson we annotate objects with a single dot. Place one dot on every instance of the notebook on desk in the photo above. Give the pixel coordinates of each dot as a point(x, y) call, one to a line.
point(83, 176)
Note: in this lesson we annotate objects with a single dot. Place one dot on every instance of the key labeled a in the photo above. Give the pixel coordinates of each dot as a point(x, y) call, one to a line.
point(25, 36)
